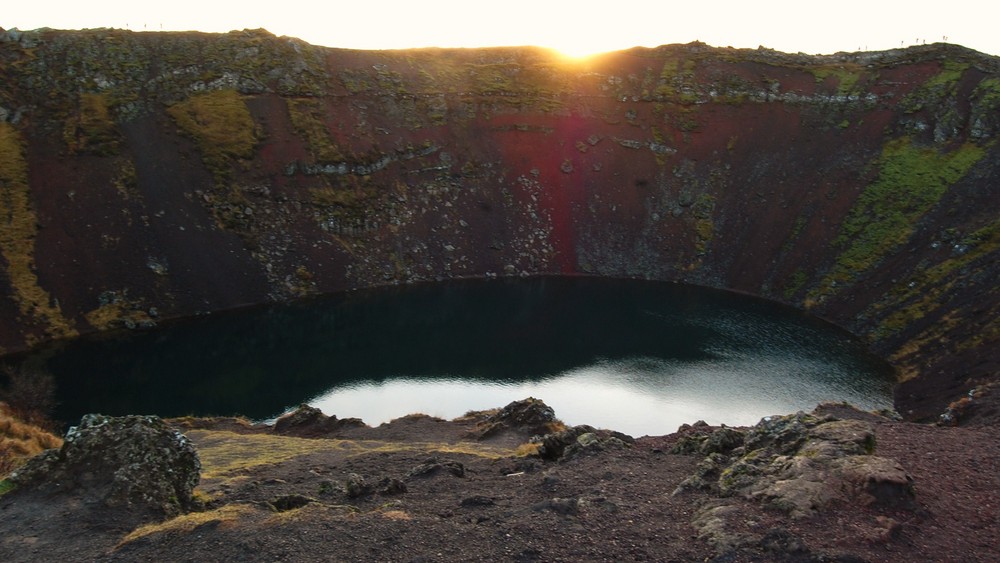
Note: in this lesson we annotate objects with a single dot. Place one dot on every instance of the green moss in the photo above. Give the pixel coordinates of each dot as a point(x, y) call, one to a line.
point(988, 91)
point(333, 197)
point(951, 72)
point(356, 81)
point(117, 314)
point(703, 206)
point(926, 293)
point(686, 123)
point(794, 284)
point(847, 77)
point(91, 129)
point(677, 81)
point(910, 182)
point(125, 180)
point(704, 227)
point(737, 476)
point(988, 335)
point(938, 88)
point(225, 133)
point(660, 139)
point(307, 117)
point(517, 84)
point(800, 223)
point(436, 109)
point(6, 486)
point(221, 125)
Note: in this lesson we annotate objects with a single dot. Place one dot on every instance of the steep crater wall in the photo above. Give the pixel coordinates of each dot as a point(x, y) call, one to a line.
point(151, 176)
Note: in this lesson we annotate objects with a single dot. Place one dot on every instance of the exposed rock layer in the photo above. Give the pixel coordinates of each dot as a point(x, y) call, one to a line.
point(147, 176)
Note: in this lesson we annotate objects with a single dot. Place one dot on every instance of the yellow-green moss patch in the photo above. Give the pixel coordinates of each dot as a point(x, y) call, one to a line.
point(307, 117)
point(221, 125)
point(847, 76)
point(18, 229)
point(91, 129)
point(113, 315)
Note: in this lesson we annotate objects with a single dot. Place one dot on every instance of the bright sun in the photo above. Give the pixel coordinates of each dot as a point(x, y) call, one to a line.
point(576, 46)
point(579, 52)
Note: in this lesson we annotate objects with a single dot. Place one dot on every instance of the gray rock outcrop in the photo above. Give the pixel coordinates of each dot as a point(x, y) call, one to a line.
point(799, 464)
point(136, 463)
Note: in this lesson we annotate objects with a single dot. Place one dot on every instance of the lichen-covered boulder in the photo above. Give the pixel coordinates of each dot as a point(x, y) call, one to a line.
point(696, 440)
point(799, 464)
point(136, 463)
point(567, 444)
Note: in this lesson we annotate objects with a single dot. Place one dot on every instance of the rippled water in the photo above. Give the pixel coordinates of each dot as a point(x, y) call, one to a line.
point(639, 357)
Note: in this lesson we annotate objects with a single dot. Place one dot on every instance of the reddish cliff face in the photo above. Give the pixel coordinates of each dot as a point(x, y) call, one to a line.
point(147, 176)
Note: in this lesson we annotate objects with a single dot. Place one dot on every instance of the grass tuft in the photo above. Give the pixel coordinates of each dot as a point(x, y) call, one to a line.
point(226, 515)
point(20, 441)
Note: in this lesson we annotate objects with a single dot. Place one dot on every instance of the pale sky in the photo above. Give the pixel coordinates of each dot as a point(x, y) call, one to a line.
point(576, 26)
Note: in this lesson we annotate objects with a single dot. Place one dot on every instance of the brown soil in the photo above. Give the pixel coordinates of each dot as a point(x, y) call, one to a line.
point(282, 498)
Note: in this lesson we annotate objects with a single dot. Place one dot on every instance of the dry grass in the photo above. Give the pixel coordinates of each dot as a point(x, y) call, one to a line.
point(398, 515)
point(250, 517)
point(227, 515)
point(226, 454)
point(20, 441)
point(312, 512)
point(528, 449)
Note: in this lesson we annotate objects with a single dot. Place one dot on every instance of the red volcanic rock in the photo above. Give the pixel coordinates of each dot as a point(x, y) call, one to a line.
point(182, 173)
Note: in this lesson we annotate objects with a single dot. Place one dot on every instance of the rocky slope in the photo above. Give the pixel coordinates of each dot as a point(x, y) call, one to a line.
point(149, 175)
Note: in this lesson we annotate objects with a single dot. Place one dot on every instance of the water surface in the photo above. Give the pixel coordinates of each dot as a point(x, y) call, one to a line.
point(636, 356)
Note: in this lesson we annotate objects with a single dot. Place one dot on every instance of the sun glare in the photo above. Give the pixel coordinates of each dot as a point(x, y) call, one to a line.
point(579, 52)
point(572, 28)
point(576, 48)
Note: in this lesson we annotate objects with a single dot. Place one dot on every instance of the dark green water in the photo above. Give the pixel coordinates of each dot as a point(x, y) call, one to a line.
point(639, 357)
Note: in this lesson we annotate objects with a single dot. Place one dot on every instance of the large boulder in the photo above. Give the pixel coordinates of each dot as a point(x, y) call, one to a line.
point(136, 463)
point(799, 464)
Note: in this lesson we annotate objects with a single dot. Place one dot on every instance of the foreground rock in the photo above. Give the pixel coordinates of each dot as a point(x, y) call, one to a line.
point(136, 463)
point(798, 464)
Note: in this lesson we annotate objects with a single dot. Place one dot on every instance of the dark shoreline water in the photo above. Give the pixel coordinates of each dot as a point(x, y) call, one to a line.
point(636, 356)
